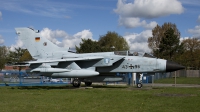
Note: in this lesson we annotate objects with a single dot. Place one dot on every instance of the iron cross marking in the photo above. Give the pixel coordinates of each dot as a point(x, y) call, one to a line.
point(131, 66)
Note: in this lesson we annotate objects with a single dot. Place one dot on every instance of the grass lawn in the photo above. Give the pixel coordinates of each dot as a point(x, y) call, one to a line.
point(179, 80)
point(99, 99)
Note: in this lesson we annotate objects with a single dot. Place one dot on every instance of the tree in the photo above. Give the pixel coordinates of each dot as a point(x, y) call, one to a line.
point(19, 55)
point(112, 41)
point(169, 45)
point(109, 42)
point(3, 56)
point(191, 44)
point(158, 34)
point(191, 56)
point(88, 46)
point(26, 56)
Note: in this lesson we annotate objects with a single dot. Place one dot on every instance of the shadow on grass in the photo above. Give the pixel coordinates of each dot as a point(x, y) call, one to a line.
point(43, 87)
point(107, 86)
point(65, 87)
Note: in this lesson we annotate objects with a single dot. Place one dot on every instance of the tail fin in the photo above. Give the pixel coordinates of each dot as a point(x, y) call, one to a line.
point(39, 47)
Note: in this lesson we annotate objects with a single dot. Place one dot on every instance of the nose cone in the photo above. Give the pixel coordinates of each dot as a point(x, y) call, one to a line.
point(172, 66)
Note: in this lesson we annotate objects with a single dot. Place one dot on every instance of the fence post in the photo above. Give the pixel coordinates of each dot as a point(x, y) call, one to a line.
point(175, 78)
point(199, 72)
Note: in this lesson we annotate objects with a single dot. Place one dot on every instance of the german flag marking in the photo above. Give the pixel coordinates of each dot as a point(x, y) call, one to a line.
point(37, 39)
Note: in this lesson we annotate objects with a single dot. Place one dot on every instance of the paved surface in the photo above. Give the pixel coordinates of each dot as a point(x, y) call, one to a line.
point(37, 82)
point(172, 85)
point(153, 85)
point(29, 82)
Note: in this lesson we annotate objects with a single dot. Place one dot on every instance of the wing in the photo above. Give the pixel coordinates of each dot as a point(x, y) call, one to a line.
point(64, 60)
point(57, 65)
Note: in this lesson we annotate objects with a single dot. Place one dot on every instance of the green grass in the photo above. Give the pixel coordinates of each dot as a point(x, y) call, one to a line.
point(179, 80)
point(98, 99)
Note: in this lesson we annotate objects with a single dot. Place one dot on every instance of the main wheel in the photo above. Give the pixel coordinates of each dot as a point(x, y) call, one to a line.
point(139, 85)
point(76, 83)
point(88, 83)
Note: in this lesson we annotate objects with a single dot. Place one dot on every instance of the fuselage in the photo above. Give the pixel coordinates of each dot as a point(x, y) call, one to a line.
point(109, 64)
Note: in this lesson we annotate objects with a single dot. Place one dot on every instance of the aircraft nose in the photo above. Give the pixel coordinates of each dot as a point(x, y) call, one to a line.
point(172, 66)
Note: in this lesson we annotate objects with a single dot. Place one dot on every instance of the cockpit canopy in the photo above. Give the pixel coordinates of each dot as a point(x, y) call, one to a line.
point(133, 53)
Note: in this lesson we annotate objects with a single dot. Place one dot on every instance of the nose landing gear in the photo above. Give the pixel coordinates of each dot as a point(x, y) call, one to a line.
point(139, 85)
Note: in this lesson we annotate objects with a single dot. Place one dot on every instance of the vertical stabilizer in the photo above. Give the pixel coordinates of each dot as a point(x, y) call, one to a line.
point(39, 47)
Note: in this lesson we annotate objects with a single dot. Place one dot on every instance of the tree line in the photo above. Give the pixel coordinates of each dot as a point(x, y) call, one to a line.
point(165, 43)
point(111, 41)
point(8, 57)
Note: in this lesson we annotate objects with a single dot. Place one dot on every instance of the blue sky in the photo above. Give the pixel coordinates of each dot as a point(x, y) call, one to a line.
point(65, 22)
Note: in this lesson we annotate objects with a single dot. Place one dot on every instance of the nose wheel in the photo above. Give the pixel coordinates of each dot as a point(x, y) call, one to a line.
point(139, 85)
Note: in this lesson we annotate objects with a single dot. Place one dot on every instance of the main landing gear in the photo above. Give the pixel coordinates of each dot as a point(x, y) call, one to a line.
point(88, 83)
point(77, 83)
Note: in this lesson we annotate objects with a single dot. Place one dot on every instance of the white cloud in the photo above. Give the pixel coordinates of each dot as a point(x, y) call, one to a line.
point(0, 15)
point(18, 44)
point(183, 38)
point(67, 40)
point(130, 13)
point(151, 25)
point(76, 38)
point(132, 22)
point(198, 20)
point(195, 32)
point(138, 41)
point(52, 35)
point(148, 8)
point(1, 40)
point(84, 34)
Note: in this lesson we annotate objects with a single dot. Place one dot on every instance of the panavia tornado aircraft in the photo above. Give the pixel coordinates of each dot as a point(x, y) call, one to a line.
point(53, 61)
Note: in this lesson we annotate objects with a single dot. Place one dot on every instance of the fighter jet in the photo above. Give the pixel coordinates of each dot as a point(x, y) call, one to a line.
point(54, 61)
